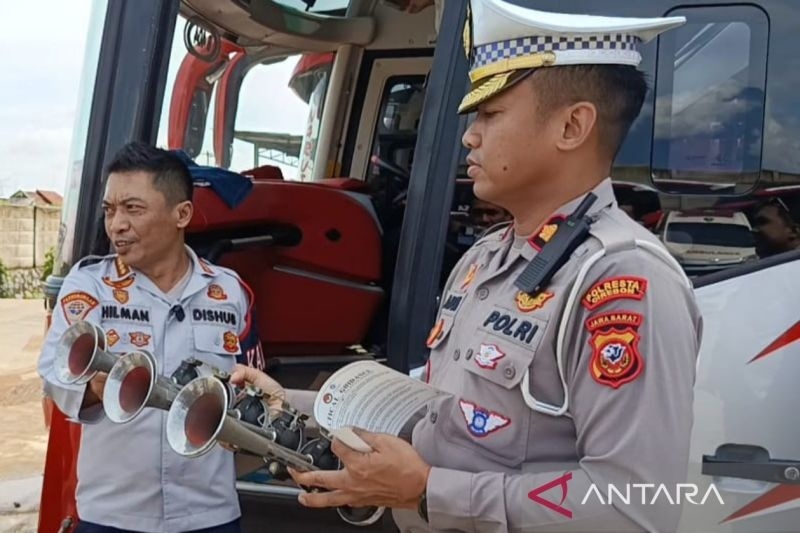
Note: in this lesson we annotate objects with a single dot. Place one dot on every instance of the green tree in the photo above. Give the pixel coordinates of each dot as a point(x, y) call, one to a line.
point(49, 261)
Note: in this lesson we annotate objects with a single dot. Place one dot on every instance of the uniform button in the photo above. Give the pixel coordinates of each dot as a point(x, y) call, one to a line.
point(456, 355)
point(483, 293)
point(216, 342)
point(433, 417)
point(469, 354)
point(509, 372)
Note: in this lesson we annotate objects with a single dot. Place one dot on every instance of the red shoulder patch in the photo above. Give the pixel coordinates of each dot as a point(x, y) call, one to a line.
point(610, 289)
point(615, 357)
point(77, 306)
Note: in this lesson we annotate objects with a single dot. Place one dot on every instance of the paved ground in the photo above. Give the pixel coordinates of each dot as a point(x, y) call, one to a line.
point(23, 437)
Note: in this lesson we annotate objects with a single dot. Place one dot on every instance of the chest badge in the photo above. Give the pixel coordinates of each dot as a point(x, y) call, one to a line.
point(230, 342)
point(139, 339)
point(488, 356)
point(215, 292)
point(482, 422)
point(527, 303)
point(112, 337)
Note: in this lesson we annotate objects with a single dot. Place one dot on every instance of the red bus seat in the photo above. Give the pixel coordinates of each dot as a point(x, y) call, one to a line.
point(318, 296)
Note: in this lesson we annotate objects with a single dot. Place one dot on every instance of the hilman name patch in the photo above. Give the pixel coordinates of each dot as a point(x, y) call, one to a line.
point(614, 318)
point(133, 314)
point(611, 289)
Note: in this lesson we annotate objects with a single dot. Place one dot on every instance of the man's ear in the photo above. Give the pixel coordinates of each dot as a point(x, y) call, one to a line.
point(184, 211)
point(578, 123)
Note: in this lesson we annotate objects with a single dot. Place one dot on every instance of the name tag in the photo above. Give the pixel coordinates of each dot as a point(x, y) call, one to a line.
point(522, 331)
point(125, 313)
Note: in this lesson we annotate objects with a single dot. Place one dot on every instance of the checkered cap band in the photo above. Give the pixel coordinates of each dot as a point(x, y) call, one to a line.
point(492, 52)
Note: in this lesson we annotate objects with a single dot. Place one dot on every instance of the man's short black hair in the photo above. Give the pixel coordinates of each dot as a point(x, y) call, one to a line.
point(617, 91)
point(783, 212)
point(170, 174)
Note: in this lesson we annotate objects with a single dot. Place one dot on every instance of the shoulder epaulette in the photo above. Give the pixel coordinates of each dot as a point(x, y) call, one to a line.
point(92, 260)
point(496, 232)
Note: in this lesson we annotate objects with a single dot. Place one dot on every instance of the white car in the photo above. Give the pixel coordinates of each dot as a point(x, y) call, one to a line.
point(706, 241)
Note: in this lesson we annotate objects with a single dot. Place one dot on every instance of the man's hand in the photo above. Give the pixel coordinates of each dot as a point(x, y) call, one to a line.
point(94, 392)
point(393, 475)
point(245, 374)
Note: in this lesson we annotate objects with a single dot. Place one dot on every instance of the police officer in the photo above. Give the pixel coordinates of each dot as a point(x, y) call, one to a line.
point(561, 377)
point(153, 294)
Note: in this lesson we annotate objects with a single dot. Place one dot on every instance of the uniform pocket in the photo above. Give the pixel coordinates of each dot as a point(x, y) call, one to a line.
point(494, 359)
point(487, 413)
point(216, 341)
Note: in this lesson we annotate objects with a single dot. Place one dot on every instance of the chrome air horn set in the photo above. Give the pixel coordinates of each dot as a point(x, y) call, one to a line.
point(203, 409)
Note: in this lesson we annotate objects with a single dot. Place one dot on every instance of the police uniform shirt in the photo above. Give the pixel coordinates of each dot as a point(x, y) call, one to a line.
point(128, 476)
point(630, 342)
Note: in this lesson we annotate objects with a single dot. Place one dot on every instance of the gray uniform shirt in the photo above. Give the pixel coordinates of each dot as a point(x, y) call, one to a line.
point(128, 476)
point(629, 349)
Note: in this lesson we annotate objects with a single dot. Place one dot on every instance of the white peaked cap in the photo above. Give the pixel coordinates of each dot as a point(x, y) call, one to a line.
point(503, 40)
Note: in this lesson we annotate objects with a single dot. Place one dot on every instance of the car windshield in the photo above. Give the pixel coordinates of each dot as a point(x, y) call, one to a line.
point(710, 234)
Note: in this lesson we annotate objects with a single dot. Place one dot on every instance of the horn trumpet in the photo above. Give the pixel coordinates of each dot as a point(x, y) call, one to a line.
point(80, 354)
point(200, 417)
point(203, 414)
point(133, 384)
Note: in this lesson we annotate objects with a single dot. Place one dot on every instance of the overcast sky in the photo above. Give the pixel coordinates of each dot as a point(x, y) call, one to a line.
point(44, 44)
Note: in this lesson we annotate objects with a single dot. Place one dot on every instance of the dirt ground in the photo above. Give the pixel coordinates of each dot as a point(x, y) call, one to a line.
point(23, 437)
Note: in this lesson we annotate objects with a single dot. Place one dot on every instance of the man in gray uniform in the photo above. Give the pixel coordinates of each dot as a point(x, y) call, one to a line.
point(564, 379)
point(154, 294)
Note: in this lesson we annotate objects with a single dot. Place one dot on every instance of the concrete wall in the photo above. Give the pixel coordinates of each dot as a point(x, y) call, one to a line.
point(26, 233)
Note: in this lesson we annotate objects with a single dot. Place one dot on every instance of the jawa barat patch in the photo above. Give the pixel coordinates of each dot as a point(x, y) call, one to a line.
point(608, 290)
point(614, 318)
